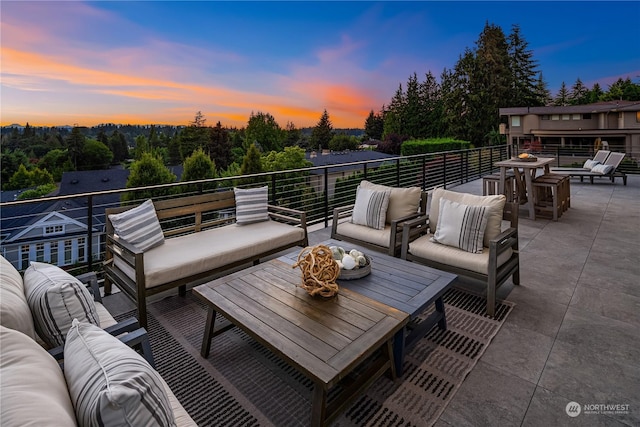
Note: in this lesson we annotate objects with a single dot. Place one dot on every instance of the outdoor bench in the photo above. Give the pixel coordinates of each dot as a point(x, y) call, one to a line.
point(202, 238)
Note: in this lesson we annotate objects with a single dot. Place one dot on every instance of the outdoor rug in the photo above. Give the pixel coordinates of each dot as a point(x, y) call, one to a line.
point(244, 384)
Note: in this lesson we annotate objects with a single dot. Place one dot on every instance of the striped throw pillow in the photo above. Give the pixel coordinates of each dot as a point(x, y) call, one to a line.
point(139, 226)
point(251, 205)
point(461, 226)
point(55, 298)
point(370, 208)
point(110, 384)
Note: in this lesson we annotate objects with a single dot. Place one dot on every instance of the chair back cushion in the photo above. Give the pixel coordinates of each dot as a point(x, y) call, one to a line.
point(34, 392)
point(495, 206)
point(14, 310)
point(402, 201)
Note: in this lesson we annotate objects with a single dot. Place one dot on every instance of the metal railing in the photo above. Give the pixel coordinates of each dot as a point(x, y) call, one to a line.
point(79, 245)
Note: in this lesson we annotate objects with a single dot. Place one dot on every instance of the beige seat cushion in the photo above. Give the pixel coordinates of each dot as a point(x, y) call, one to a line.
point(364, 233)
point(34, 391)
point(181, 416)
point(423, 247)
point(14, 310)
point(495, 204)
point(200, 252)
point(106, 319)
point(402, 201)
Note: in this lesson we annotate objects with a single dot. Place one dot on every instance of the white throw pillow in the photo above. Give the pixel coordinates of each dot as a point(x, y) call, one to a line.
point(370, 208)
point(589, 164)
point(110, 384)
point(251, 205)
point(602, 169)
point(139, 226)
point(56, 298)
point(461, 226)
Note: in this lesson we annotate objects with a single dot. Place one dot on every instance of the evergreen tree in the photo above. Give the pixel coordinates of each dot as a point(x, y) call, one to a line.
point(118, 146)
point(251, 164)
point(142, 147)
point(562, 97)
point(394, 114)
point(543, 94)
point(219, 148)
point(147, 171)
point(198, 166)
point(595, 94)
point(523, 72)
point(322, 132)
point(293, 135)
point(413, 113)
point(75, 144)
point(175, 158)
point(579, 93)
point(262, 129)
point(374, 126)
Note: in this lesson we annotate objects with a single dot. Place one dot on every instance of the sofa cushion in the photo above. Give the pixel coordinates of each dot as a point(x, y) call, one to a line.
point(56, 298)
point(402, 201)
point(194, 253)
point(425, 248)
point(139, 226)
point(602, 169)
point(589, 164)
point(366, 234)
point(110, 384)
point(461, 226)
point(251, 205)
point(14, 310)
point(370, 208)
point(34, 391)
point(495, 205)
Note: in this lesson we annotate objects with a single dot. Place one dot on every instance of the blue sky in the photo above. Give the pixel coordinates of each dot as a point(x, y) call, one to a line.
point(142, 62)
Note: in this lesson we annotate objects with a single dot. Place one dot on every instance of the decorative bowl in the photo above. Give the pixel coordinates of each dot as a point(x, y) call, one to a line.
point(356, 273)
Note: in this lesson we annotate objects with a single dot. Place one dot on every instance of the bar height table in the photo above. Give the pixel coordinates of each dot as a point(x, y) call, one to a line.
point(529, 170)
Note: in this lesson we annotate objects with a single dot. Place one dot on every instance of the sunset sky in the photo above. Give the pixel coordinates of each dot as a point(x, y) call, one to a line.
point(86, 63)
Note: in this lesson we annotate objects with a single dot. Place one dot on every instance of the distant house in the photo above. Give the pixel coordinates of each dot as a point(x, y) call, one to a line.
point(342, 158)
point(617, 122)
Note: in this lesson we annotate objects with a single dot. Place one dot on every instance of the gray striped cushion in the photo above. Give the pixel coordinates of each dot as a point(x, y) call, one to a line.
point(110, 384)
point(251, 205)
point(55, 298)
point(370, 208)
point(139, 226)
point(461, 226)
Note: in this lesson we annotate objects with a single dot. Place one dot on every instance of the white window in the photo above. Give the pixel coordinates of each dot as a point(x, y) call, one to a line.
point(576, 116)
point(82, 245)
point(515, 121)
point(53, 253)
point(54, 229)
point(68, 246)
point(566, 117)
point(40, 252)
point(24, 256)
point(555, 117)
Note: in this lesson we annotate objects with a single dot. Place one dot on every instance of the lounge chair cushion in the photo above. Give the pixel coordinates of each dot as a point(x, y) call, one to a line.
point(603, 169)
point(110, 384)
point(34, 391)
point(14, 310)
point(139, 226)
point(251, 205)
point(209, 249)
point(495, 206)
point(425, 248)
point(370, 208)
point(56, 298)
point(362, 232)
point(402, 201)
point(589, 164)
point(461, 226)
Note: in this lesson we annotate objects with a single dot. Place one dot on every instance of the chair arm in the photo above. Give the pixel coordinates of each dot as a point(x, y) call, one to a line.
point(395, 238)
point(288, 215)
point(91, 279)
point(505, 240)
point(338, 214)
point(411, 229)
point(134, 336)
point(123, 245)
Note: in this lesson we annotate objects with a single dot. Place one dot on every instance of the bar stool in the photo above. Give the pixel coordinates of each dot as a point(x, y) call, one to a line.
point(564, 188)
point(553, 195)
point(491, 182)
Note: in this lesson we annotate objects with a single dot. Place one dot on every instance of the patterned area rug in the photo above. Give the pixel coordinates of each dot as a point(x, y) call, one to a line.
point(244, 384)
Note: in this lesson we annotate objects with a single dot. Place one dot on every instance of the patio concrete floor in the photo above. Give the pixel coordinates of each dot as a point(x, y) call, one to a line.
point(574, 333)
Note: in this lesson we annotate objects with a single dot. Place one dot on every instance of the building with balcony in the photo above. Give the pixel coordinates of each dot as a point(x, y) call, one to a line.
point(575, 126)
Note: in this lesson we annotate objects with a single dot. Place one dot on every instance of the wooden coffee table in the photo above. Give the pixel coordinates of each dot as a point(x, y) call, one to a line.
point(407, 286)
point(324, 339)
